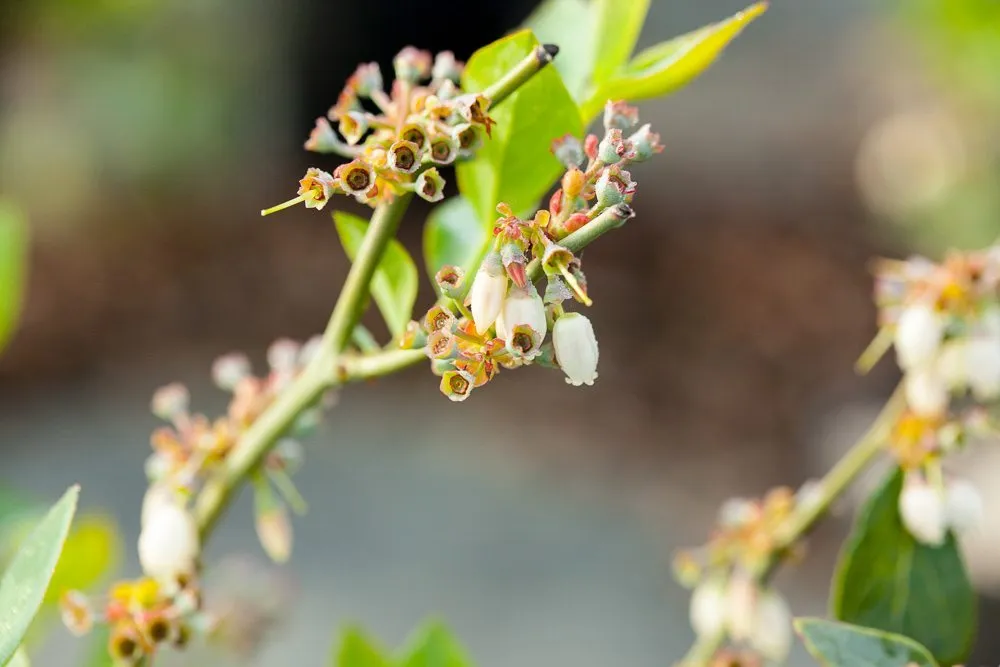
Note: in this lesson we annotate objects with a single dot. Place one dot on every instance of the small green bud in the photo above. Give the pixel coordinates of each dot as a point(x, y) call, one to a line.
point(646, 143)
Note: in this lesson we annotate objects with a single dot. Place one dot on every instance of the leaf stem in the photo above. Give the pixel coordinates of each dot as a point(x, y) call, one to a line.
point(521, 73)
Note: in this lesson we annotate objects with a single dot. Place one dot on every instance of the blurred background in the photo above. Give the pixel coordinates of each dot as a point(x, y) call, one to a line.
point(142, 137)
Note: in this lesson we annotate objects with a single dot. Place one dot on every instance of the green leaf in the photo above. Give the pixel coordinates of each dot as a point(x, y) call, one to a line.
point(394, 286)
point(453, 235)
point(358, 650)
point(516, 166)
point(887, 580)
point(22, 588)
point(664, 68)
point(13, 253)
point(434, 646)
point(570, 24)
point(618, 27)
point(842, 645)
point(92, 549)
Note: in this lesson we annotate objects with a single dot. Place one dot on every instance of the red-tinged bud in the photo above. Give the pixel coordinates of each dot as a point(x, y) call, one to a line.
point(514, 261)
point(619, 115)
point(615, 186)
point(515, 271)
point(613, 147)
point(590, 145)
point(414, 133)
point(404, 157)
point(367, 79)
point(412, 64)
point(646, 143)
point(568, 150)
point(575, 222)
point(555, 202)
point(322, 139)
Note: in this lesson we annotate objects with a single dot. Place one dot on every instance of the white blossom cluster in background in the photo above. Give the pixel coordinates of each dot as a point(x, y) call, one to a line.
point(944, 321)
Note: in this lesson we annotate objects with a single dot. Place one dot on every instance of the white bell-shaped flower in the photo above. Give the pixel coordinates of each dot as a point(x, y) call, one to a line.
point(926, 391)
point(922, 510)
point(486, 296)
point(963, 506)
point(771, 636)
point(709, 607)
point(918, 335)
point(522, 308)
point(952, 364)
point(983, 367)
point(168, 543)
point(576, 348)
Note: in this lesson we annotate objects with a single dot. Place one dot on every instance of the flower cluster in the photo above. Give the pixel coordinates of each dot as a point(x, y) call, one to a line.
point(944, 322)
point(501, 320)
point(424, 122)
point(143, 616)
point(727, 600)
point(164, 607)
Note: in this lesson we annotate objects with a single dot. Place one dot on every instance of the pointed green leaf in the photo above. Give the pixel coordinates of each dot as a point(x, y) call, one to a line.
point(887, 580)
point(434, 646)
point(394, 286)
point(618, 27)
point(23, 586)
point(359, 650)
point(13, 258)
point(453, 235)
point(516, 166)
point(664, 68)
point(570, 24)
point(843, 645)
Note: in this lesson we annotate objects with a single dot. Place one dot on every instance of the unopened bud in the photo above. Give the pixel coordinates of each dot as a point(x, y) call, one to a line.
point(619, 115)
point(457, 385)
point(708, 610)
point(576, 348)
point(446, 67)
point(170, 401)
point(771, 636)
point(168, 543)
point(918, 335)
point(614, 187)
point(274, 529)
point(645, 143)
point(612, 147)
point(521, 322)
point(983, 358)
point(926, 392)
point(283, 355)
point(412, 64)
point(963, 506)
point(922, 510)
point(486, 296)
point(229, 370)
point(572, 182)
point(741, 601)
point(568, 150)
point(404, 157)
point(430, 185)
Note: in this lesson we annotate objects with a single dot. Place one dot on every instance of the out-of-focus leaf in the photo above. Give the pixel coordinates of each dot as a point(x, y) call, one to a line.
point(843, 645)
point(887, 580)
point(570, 24)
point(13, 259)
point(664, 68)
point(23, 586)
point(434, 646)
point(394, 286)
point(516, 166)
point(453, 235)
point(618, 27)
point(357, 649)
point(92, 549)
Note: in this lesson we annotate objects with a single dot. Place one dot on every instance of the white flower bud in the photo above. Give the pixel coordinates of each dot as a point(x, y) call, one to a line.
point(576, 348)
point(772, 631)
point(741, 603)
point(168, 543)
point(522, 307)
point(926, 392)
point(983, 359)
point(918, 335)
point(922, 510)
point(486, 295)
point(952, 364)
point(708, 609)
point(963, 506)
